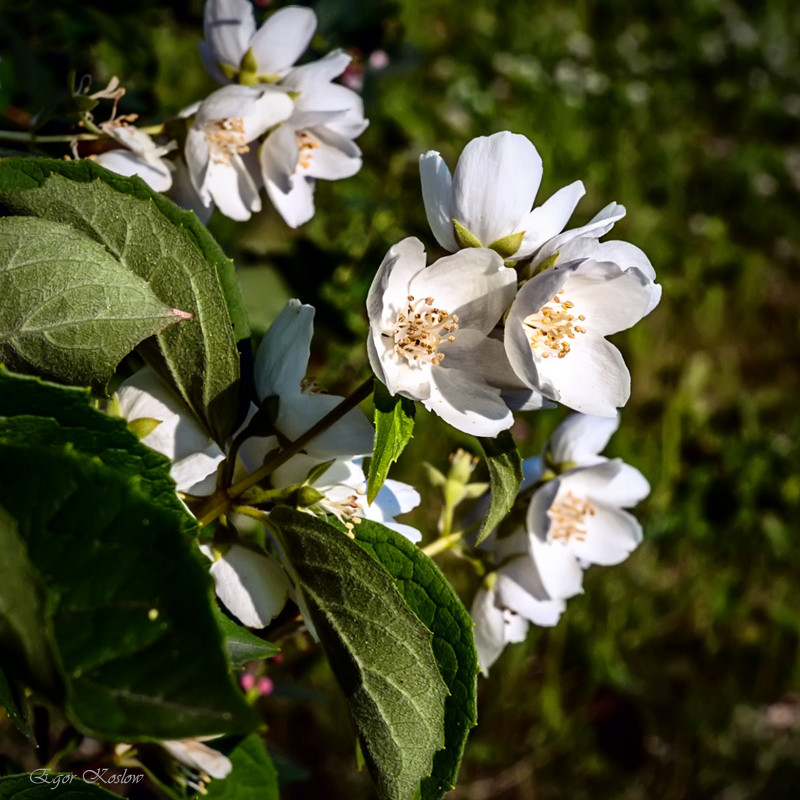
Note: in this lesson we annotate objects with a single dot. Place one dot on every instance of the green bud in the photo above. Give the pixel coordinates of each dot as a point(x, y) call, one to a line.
point(547, 263)
point(508, 245)
point(464, 237)
point(143, 426)
point(462, 463)
point(306, 496)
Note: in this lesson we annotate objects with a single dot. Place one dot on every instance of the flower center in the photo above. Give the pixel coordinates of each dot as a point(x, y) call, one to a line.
point(567, 517)
point(226, 138)
point(551, 326)
point(346, 510)
point(420, 329)
point(306, 145)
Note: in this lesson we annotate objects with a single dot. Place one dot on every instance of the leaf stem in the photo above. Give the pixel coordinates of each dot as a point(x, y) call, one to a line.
point(443, 543)
point(27, 136)
point(220, 501)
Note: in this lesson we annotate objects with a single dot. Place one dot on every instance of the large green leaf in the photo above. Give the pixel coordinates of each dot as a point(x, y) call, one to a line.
point(505, 478)
point(378, 649)
point(166, 247)
point(67, 307)
point(128, 607)
point(42, 785)
point(431, 597)
point(240, 644)
point(253, 777)
point(394, 426)
point(51, 414)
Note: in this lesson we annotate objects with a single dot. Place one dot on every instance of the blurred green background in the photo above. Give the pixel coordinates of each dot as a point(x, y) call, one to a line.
point(676, 674)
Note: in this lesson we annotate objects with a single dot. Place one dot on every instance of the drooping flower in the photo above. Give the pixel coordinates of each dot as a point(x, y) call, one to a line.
point(556, 328)
point(139, 155)
point(429, 333)
point(316, 141)
point(222, 167)
point(234, 51)
point(172, 430)
point(488, 201)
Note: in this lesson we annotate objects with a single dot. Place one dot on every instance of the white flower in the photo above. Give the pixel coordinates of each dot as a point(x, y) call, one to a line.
point(316, 142)
point(554, 334)
point(490, 196)
point(581, 511)
point(251, 585)
point(139, 155)
point(218, 155)
point(235, 51)
point(495, 627)
point(429, 331)
point(280, 367)
point(176, 434)
point(200, 757)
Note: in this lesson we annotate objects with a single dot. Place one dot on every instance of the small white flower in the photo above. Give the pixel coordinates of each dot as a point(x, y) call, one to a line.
point(495, 627)
point(139, 155)
point(203, 761)
point(235, 51)
point(491, 196)
point(581, 511)
point(316, 141)
point(429, 333)
point(556, 328)
point(218, 155)
point(177, 434)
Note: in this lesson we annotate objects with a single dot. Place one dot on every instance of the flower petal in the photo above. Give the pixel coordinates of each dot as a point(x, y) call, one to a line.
point(627, 488)
point(495, 184)
point(437, 195)
point(549, 219)
point(611, 535)
point(334, 158)
point(388, 294)
point(156, 175)
point(228, 26)
point(297, 205)
point(580, 438)
point(283, 38)
point(494, 628)
point(252, 586)
point(233, 189)
point(282, 356)
point(472, 284)
point(511, 595)
point(466, 403)
point(324, 70)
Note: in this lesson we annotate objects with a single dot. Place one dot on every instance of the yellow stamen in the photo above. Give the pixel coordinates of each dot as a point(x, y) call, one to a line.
point(420, 329)
point(549, 328)
point(567, 516)
point(226, 138)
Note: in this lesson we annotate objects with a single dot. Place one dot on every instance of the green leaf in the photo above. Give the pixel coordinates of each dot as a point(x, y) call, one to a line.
point(505, 477)
point(394, 427)
point(128, 607)
point(168, 248)
point(69, 309)
point(379, 651)
point(25, 787)
point(11, 699)
point(431, 597)
point(53, 414)
point(240, 644)
point(253, 775)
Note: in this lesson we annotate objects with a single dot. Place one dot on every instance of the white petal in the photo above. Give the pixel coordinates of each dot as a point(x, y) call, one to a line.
point(336, 157)
point(271, 108)
point(581, 437)
point(228, 26)
point(252, 586)
point(495, 184)
point(540, 612)
point(561, 574)
point(627, 489)
point(393, 499)
point(611, 535)
point(184, 194)
point(157, 176)
point(197, 162)
point(466, 403)
point(179, 436)
point(352, 435)
point(626, 255)
point(322, 71)
point(282, 357)
point(297, 205)
point(233, 189)
point(549, 219)
point(437, 194)
point(472, 284)
point(199, 756)
point(388, 293)
point(283, 38)
point(228, 102)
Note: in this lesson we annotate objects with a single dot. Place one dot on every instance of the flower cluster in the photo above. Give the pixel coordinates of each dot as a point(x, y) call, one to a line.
point(272, 125)
point(518, 314)
point(575, 517)
point(325, 478)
